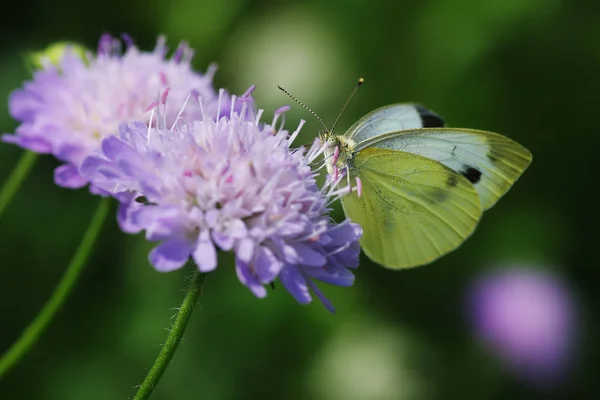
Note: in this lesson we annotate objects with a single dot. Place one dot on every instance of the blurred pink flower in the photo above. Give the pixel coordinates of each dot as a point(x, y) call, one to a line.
point(527, 318)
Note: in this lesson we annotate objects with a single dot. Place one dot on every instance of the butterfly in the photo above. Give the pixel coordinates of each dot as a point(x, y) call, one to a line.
point(421, 187)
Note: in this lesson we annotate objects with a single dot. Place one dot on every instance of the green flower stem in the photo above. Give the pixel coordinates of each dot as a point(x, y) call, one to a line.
point(60, 294)
point(16, 178)
point(175, 336)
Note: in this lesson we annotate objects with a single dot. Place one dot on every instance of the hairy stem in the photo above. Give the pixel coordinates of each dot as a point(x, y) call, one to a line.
point(175, 336)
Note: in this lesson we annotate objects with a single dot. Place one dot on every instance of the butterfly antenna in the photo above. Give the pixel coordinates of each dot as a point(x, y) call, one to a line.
point(358, 84)
point(305, 107)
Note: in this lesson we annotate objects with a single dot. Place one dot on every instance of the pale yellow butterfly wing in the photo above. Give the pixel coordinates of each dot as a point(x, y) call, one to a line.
point(412, 210)
point(490, 161)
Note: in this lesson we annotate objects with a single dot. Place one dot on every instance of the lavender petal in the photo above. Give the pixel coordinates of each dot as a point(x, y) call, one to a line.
point(68, 176)
point(245, 276)
point(295, 283)
point(205, 253)
point(171, 254)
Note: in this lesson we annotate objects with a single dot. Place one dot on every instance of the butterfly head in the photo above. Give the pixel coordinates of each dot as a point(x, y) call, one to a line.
point(328, 139)
point(338, 151)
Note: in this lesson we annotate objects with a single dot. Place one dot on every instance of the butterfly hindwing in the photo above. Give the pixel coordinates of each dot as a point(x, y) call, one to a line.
point(412, 209)
point(491, 162)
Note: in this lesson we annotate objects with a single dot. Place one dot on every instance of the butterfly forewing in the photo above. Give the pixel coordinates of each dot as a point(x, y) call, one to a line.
point(412, 209)
point(392, 118)
point(491, 162)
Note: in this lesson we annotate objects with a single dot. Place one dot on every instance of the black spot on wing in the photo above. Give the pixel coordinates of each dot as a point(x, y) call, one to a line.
point(472, 174)
point(429, 119)
point(438, 195)
point(452, 180)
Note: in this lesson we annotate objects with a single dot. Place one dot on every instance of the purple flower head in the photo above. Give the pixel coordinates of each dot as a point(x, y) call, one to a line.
point(77, 99)
point(527, 318)
point(231, 185)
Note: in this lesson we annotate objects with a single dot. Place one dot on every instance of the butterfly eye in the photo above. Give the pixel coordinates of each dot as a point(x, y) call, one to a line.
point(332, 141)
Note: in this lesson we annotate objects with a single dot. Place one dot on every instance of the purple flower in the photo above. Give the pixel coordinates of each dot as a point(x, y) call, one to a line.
point(75, 102)
point(527, 318)
point(231, 185)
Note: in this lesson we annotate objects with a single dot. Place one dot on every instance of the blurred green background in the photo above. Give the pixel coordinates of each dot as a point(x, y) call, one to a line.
point(527, 69)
